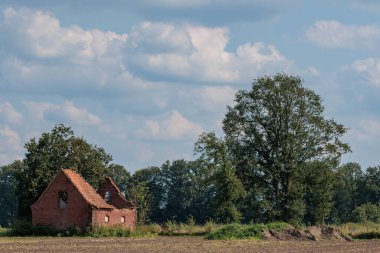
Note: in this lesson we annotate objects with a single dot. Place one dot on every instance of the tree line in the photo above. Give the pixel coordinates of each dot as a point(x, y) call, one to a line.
point(279, 159)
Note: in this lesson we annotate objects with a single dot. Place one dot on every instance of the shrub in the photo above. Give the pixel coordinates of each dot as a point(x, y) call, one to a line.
point(367, 212)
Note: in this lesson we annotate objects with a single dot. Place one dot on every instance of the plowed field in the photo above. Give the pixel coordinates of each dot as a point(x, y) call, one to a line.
point(177, 244)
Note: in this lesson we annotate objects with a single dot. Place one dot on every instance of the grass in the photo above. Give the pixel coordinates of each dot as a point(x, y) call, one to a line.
point(278, 226)
point(251, 231)
point(367, 230)
point(187, 229)
point(4, 232)
point(238, 231)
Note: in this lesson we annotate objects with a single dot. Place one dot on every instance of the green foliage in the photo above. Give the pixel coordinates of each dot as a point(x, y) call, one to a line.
point(228, 188)
point(4, 232)
point(367, 212)
point(149, 229)
point(151, 179)
point(347, 181)
point(319, 184)
point(110, 231)
point(53, 151)
point(237, 231)
point(364, 230)
point(140, 197)
point(120, 176)
point(273, 129)
point(369, 189)
point(278, 226)
point(210, 226)
point(8, 201)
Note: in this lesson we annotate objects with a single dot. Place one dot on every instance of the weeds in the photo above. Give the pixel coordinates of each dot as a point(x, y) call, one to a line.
point(238, 231)
point(365, 230)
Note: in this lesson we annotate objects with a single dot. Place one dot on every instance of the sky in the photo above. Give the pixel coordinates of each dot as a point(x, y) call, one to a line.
point(143, 79)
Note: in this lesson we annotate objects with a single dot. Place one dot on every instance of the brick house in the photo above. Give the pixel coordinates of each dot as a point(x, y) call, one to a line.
point(69, 201)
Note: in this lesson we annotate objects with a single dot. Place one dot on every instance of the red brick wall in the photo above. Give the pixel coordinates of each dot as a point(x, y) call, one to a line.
point(46, 212)
point(115, 218)
point(116, 198)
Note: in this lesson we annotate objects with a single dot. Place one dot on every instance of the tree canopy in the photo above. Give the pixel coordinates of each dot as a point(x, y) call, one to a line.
point(275, 128)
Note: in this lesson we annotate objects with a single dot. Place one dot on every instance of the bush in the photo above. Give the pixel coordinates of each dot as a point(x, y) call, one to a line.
point(367, 212)
point(25, 228)
point(4, 232)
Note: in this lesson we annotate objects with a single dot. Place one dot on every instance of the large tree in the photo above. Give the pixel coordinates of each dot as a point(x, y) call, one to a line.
point(8, 200)
point(53, 151)
point(228, 190)
point(274, 129)
point(347, 181)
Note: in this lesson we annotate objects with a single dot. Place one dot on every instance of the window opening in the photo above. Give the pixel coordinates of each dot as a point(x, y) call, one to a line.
point(62, 200)
point(107, 196)
point(122, 219)
point(106, 218)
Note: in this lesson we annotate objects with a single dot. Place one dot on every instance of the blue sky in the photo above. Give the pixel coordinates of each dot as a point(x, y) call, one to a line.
point(143, 79)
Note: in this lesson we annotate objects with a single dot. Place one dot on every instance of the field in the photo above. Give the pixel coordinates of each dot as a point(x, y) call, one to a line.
point(177, 244)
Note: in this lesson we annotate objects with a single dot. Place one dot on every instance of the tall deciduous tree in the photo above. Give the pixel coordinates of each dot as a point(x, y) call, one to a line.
point(152, 188)
point(57, 149)
point(276, 127)
point(347, 180)
point(319, 183)
point(8, 200)
point(228, 188)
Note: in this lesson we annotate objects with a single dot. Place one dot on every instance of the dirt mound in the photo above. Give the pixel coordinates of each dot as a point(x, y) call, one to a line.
point(314, 233)
point(326, 233)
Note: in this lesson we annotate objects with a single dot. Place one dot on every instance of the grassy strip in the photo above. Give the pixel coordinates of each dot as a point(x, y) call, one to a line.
point(239, 231)
point(4, 232)
point(25, 228)
point(367, 230)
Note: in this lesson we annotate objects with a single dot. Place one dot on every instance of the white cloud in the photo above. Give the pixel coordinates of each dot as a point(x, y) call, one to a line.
point(214, 98)
point(67, 112)
point(313, 71)
point(199, 53)
point(333, 34)
point(368, 130)
point(80, 115)
point(41, 53)
point(173, 126)
point(12, 137)
point(10, 146)
point(40, 34)
point(369, 69)
point(9, 113)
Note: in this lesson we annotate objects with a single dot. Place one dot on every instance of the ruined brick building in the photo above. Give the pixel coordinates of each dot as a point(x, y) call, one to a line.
point(69, 201)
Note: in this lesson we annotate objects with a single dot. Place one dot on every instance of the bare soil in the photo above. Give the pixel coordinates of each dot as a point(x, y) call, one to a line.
point(179, 244)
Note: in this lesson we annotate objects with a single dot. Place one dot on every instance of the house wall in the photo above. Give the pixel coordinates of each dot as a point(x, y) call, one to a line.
point(98, 217)
point(116, 199)
point(46, 211)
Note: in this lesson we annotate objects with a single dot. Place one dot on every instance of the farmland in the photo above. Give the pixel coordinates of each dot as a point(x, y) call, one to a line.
point(177, 244)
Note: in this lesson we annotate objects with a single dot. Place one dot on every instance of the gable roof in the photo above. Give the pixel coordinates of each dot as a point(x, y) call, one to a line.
point(126, 203)
point(86, 190)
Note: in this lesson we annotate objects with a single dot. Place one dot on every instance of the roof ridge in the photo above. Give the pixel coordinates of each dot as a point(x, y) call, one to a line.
point(86, 190)
point(119, 193)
